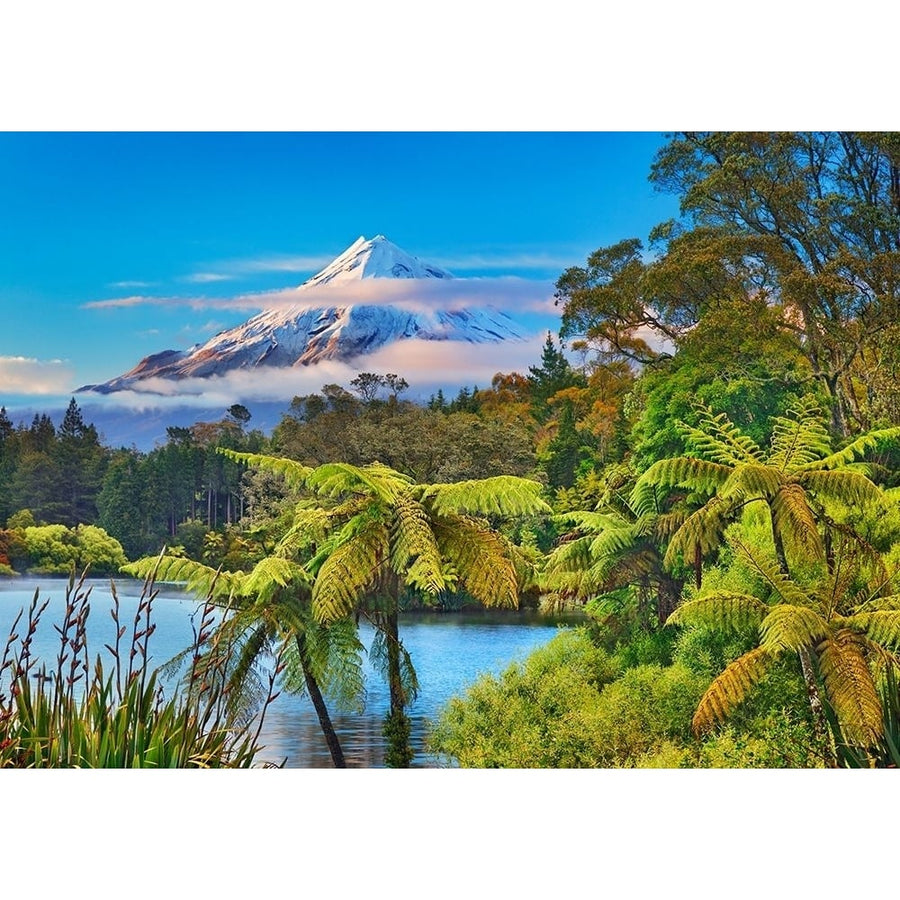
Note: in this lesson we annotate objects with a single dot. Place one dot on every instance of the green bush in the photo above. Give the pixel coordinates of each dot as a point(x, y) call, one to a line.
point(57, 550)
point(565, 707)
point(538, 714)
point(647, 706)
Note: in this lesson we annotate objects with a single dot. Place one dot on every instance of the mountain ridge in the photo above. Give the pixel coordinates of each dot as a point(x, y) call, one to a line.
point(300, 334)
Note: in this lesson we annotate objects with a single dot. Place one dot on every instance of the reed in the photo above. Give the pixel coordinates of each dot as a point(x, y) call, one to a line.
point(84, 714)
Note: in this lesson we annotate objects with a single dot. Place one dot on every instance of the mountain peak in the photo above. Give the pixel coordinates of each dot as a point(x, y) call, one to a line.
point(375, 258)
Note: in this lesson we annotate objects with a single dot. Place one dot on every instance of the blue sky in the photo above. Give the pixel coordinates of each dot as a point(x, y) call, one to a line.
point(198, 220)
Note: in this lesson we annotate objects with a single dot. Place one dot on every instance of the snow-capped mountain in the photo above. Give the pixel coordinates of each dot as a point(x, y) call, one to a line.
point(307, 332)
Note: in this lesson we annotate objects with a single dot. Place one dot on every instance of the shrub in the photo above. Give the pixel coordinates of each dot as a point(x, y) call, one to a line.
point(537, 714)
point(57, 550)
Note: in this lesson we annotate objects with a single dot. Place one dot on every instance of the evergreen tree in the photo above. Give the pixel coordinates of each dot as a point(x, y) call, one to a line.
point(553, 375)
point(80, 461)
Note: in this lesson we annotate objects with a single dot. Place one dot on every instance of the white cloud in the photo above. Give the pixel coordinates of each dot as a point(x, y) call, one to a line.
point(207, 277)
point(25, 375)
point(128, 285)
point(508, 293)
point(426, 365)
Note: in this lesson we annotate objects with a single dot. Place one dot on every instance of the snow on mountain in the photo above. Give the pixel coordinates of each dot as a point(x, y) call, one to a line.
point(377, 258)
point(298, 335)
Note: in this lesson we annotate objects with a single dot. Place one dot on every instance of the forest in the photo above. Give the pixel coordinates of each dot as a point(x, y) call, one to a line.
point(704, 462)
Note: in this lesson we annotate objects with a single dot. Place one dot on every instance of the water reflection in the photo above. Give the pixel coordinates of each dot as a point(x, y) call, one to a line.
point(448, 650)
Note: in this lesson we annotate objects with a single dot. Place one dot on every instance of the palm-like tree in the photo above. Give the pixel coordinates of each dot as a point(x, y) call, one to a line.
point(610, 549)
point(728, 471)
point(380, 534)
point(852, 636)
point(270, 613)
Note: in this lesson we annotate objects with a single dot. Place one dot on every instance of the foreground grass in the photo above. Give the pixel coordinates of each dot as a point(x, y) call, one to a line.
point(82, 714)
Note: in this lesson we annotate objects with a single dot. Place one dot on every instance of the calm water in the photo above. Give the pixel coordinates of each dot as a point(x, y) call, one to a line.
point(449, 652)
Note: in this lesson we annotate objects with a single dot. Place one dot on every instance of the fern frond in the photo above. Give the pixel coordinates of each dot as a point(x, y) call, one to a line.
point(614, 543)
point(850, 688)
point(349, 571)
point(789, 627)
point(378, 656)
point(570, 556)
point(729, 689)
point(879, 604)
point(334, 655)
point(586, 520)
point(719, 439)
point(683, 471)
point(310, 527)
point(414, 552)
point(885, 437)
point(667, 524)
point(196, 577)
point(503, 495)
point(794, 521)
point(752, 480)
point(482, 558)
point(799, 438)
point(721, 610)
point(272, 573)
point(703, 528)
point(881, 626)
point(783, 586)
point(246, 690)
point(375, 479)
point(849, 487)
point(295, 474)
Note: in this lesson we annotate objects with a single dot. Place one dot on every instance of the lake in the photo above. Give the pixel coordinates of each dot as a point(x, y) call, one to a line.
point(449, 652)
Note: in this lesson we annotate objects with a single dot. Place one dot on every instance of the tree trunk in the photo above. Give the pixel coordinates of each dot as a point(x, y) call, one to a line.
point(779, 548)
point(397, 726)
point(820, 722)
point(312, 686)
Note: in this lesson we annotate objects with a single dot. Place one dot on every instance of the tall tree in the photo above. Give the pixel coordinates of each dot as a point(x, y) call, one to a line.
point(816, 219)
point(809, 222)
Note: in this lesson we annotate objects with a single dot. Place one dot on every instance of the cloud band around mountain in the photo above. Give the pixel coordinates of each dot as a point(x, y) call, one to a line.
point(511, 294)
point(426, 365)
